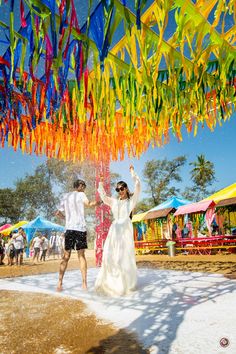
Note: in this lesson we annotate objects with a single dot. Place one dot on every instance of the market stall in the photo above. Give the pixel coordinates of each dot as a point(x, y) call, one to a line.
point(225, 218)
point(159, 220)
point(153, 228)
point(202, 213)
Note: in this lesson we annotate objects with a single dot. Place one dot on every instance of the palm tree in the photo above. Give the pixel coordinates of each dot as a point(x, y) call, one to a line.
point(203, 174)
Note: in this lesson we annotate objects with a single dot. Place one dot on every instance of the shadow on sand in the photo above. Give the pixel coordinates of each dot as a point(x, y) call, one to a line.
point(154, 312)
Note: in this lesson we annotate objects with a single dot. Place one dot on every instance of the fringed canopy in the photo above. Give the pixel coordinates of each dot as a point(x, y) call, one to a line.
point(119, 82)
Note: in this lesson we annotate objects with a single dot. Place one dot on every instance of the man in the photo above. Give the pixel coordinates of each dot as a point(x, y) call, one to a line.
point(54, 245)
point(72, 208)
point(44, 247)
point(19, 240)
point(36, 246)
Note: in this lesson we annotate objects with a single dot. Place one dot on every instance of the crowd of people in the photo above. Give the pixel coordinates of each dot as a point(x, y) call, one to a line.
point(15, 246)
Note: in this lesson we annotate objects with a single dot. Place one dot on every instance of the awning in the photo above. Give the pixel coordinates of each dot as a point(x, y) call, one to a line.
point(6, 226)
point(194, 207)
point(225, 193)
point(138, 217)
point(157, 213)
point(14, 227)
point(173, 202)
point(226, 202)
point(161, 210)
point(40, 223)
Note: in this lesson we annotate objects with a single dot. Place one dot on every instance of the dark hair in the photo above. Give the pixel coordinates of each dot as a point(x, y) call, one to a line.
point(79, 183)
point(124, 184)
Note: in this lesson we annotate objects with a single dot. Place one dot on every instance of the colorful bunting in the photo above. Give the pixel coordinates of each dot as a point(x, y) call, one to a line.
point(68, 92)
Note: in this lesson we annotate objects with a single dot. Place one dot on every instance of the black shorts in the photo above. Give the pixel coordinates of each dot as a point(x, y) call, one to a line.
point(19, 251)
point(75, 240)
point(36, 250)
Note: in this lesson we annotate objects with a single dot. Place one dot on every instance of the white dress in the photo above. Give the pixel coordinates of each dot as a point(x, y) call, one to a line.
point(118, 273)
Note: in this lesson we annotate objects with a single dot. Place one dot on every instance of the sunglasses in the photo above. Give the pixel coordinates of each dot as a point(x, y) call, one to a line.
point(121, 189)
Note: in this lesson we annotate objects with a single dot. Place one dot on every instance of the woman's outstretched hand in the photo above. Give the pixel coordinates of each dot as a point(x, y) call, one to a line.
point(131, 168)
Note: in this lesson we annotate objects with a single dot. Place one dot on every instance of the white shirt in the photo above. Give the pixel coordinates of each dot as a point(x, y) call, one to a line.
point(54, 241)
point(72, 205)
point(18, 242)
point(37, 242)
point(45, 244)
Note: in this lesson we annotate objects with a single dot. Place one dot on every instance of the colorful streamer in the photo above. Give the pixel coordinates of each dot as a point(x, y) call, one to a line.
point(68, 92)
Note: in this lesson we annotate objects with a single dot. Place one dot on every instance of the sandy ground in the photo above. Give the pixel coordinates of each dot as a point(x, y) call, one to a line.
point(40, 323)
point(68, 327)
point(64, 328)
point(219, 263)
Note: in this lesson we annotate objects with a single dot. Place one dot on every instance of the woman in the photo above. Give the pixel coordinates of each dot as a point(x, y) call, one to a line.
point(117, 275)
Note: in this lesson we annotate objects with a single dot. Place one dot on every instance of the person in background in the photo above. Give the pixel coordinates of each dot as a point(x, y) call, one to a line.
point(178, 232)
point(54, 247)
point(174, 228)
point(44, 248)
point(11, 253)
point(36, 244)
point(10, 250)
point(2, 250)
point(19, 240)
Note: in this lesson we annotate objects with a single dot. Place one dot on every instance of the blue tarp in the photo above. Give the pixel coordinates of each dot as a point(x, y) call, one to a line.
point(173, 202)
point(40, 224)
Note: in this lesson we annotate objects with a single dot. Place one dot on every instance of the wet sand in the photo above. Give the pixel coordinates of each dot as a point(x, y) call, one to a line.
point(39, 323)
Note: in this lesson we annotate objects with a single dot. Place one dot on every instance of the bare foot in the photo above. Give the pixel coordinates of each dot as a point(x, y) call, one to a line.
point(84, 286)
point(59, 287)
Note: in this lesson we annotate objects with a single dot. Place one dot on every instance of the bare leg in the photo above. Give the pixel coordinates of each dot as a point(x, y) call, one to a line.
point(21, 258)
point(83, 268)
point(34, 257)
point(62, 269)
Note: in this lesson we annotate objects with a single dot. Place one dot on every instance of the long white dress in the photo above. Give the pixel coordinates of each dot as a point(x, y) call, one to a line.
point(118, 273)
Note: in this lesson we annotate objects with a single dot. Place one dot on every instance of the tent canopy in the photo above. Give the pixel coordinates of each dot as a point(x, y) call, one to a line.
point(138, 217)
point(40, 223)
point(162, 209)
point(194, 207)
point(153, 68)
point(223, 194)
point(173, 202)
point(226, 202)
point(14, 227)
point(6, 226)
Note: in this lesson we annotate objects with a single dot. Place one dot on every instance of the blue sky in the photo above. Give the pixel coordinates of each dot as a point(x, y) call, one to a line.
point(218, 147)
